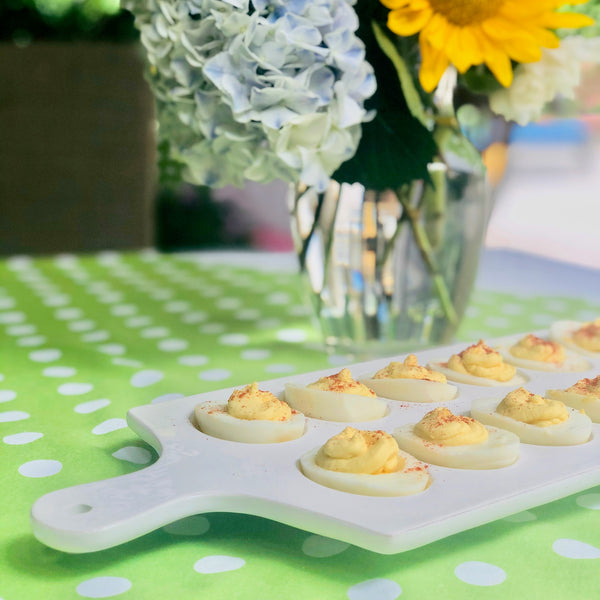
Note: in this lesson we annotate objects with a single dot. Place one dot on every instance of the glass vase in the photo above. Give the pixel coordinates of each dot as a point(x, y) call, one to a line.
point(390, 272)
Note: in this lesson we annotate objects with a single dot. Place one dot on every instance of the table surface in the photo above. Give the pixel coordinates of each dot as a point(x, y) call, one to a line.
point(84, 339)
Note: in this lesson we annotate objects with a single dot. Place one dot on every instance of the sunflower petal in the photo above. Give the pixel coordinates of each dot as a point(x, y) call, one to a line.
point(433, 65)
point(570, 20)
point(405, 22)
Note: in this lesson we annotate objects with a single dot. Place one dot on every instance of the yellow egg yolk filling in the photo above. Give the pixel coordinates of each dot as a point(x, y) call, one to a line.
point(481, 361)
point(356, 451)
point(442, 427)
point(533, 409)
point(586, 387)
point(252, 404)
point(342, 382)
point(588, 336)
point(409, 369)
point(532, 347)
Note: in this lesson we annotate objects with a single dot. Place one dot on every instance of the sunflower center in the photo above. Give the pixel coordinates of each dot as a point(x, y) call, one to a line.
point(466, 12)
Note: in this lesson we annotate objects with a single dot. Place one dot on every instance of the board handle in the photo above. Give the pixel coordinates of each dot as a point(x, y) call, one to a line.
point(102, 514)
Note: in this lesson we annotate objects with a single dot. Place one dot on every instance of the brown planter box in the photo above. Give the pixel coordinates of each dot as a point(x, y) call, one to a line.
point(77, 148)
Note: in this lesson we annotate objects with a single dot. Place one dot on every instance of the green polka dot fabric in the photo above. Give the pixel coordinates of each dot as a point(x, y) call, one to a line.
point(84, 339)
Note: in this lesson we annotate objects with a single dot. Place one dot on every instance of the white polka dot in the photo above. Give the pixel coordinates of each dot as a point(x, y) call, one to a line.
point(7, 302)
point(269, 323)
point(32, 340)
point(134, 454)
point(74, 389)
point(84, 325)
point(40, 468)
point(559, 306)
point(299, 310)
point(212, 328)
point(586, 315)
point(234, 339)
point(7, 395)
point(211, 292)
point(542, 319)
point(511, 309)
point(98, 286)
point(96, 336)
point(575, 549)
point(135, 322)
point(228, 303)
point(247, 314)
point(176, 306)
point(107, 258)
point(375, 589)
point(214, 374)
point(193, 360)
point(496, 322)
point(12, 317)
point(19, 263)
point(46, 355)
point(256, 354)
point(521, 517)
point(291, 335)
point(103, 587)
point(17, 439)
point(68, 314)
point(92, 406)
point(172, 345)
point(25, 329)
point(318, 546)
point(66, 261)
point(472, 311)
point(591, 501)
point(59, 371)
point(161, 294)
point(167, 397)
point(126, 362)
point(278, 298)
point(109, 426)
point(155, 332)
point(337, 359)
point(1, 377)
point(13, 415)
point(480, 573)
point(146, 378)
point(59, 300)
point(194, 525)
point(110, 298)
point(280, 368)
point(112, 349)
point(194, 317)
point(218, 564)
point(123, 310)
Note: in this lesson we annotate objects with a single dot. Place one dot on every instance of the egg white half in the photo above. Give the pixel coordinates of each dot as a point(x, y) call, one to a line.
point(214, 420)
point(570, 364)
point(411, 390)
point(334, 406)
point(589, 404)
point(518, 379)
point(562, 332)
point(500, 449)
point(575, 430)
point(413, 479)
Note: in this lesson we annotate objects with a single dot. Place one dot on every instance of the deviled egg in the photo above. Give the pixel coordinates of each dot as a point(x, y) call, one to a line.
point(442, 438)
point(584, 395)
point(250, 415)
point(535, 419)
point(583, 338)
point(336, 397)
point(479, 365)
point(367, 463)
point(409, 382)
point(533, 352)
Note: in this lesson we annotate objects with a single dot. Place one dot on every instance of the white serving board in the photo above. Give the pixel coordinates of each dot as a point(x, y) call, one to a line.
point(197, 474)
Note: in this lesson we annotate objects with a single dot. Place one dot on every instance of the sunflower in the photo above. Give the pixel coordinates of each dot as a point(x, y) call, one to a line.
point(471, 32)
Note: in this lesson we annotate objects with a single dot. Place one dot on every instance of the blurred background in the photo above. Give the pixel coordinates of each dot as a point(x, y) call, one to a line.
point(81, 170)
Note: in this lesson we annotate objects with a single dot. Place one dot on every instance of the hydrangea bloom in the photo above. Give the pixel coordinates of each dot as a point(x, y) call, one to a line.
point(254, 89)
point(535, 84)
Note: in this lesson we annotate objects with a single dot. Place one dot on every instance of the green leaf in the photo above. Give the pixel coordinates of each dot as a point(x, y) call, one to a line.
point(406, 81)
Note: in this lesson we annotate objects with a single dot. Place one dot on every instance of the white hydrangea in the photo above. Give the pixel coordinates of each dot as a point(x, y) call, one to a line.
point(256, 89)
point(535, 84)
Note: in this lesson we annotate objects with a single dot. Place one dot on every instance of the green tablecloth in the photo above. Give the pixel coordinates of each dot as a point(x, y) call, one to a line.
point(85, 339)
